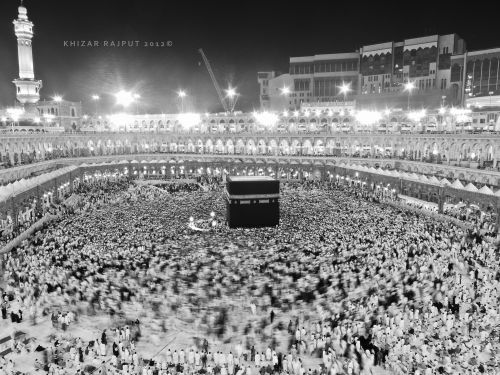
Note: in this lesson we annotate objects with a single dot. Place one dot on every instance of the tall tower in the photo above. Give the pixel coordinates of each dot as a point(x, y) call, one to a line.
point(27, 88)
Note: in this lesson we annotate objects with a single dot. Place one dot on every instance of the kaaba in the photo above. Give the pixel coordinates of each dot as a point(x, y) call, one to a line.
point(252, 201)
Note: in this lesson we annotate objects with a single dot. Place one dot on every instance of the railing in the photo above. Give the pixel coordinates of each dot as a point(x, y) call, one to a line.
point(254, 134)
point(31, 130)
point(15, 173)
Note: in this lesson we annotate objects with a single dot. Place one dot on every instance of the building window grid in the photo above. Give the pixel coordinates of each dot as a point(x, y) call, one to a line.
point(482, 86)
point(335, 66)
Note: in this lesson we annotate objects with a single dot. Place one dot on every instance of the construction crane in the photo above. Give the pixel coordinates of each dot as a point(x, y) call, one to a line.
point(228, 105)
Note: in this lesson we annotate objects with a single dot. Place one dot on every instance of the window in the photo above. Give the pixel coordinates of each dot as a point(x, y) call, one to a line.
point(73, 112)
point(301, 84)
point(456, 73)
point(493, 82)
point(485, 75)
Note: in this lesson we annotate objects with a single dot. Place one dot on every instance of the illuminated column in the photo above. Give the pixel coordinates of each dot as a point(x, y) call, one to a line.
point(27, 88)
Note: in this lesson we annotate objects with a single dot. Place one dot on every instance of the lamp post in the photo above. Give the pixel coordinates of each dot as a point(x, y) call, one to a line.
point(490, 94)
point(232, 95)
point(182, 94)
point(58, 99)
point(96, 99)
point(285, 91)
point(136, 100)
point(344, 90)
point(409, 86)
point(442, 113)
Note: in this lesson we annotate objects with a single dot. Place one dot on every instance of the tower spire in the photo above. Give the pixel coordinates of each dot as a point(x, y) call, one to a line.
point(26, 86)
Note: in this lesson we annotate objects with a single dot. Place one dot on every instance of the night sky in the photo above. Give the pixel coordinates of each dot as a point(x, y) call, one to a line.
point(239, 37)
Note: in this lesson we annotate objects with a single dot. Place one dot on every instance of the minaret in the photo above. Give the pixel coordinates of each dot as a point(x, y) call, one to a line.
point(27, 88)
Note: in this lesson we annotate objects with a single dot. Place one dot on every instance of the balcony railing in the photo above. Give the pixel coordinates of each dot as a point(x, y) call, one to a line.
point(350, 133)
point(25, 171)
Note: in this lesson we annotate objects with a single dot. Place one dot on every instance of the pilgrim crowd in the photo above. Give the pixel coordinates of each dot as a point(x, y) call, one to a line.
point(345, 285)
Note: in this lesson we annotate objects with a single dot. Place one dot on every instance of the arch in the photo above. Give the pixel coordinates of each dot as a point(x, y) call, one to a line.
point(330, 146)
point(273, 147)
point(230, 146)
point(296, 147)
point(240, 146)
point(319, 147)
point(173, 146)
point(219, 147)
point(209, 146)
point(199, 146)
point(307, 147)
point(284, 148)
point(261, 147)
point(250, 147)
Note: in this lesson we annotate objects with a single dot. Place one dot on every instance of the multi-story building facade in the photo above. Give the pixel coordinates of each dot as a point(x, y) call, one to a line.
point(377, 73)
point(475, 79)
point(425, 61)
point(319, 78)
point(63, 113)
point(274, 88)
point(263, 78)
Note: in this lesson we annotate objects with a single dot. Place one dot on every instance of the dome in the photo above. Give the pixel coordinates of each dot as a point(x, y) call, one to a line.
point(23, 12)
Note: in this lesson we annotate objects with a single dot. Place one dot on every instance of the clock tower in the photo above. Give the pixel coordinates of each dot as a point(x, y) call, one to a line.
point(27, 88)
